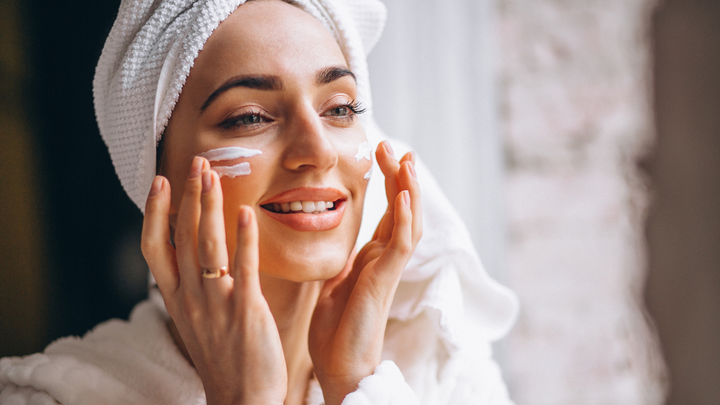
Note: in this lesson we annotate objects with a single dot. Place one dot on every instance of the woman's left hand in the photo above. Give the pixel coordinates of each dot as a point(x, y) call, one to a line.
point(348, 325)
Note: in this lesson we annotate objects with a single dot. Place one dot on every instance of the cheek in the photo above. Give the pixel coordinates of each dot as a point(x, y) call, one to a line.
point(358, 158)
point(356, 155)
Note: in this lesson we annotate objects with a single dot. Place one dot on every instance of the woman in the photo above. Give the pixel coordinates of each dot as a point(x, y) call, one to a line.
point(250, 227)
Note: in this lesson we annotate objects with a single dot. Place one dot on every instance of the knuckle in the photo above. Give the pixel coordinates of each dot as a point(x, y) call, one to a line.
point(183, 236)
point(191, 311)
point(209, 246)
point(243, 276)
point(403, 248)
point(192, 192)
point(418, 234)
point(149, 249)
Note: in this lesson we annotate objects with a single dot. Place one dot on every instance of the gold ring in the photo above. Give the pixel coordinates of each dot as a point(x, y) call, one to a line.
point(214, 273)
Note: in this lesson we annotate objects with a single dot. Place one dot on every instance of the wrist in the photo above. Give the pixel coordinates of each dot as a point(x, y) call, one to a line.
point(244, 397)
point(335, 389)
point(254, 400)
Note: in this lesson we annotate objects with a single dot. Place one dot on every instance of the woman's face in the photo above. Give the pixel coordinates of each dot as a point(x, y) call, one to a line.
point(272, 78)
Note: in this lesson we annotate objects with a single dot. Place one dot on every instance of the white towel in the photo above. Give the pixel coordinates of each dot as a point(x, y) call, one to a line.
point(148, 55)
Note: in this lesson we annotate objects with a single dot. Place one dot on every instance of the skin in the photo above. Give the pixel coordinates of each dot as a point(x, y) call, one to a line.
point(295, 301)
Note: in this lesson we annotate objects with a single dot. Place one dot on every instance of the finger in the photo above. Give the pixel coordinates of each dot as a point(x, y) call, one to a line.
point(389, 166)
point(384, 229)
point(408, 157)
point(392, 261)
point(246, 262)
point(212, 249)
point(408, 181)
point(187, 226)
point(155, 243)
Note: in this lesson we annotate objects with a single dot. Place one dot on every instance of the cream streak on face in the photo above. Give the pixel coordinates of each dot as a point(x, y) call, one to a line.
point(231, 153)
point(365, 152)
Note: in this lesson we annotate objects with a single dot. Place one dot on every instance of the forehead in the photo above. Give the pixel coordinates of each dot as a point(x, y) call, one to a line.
point(266, 37)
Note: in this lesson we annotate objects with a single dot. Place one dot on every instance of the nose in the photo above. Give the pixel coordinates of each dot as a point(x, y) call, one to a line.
point(308, 144)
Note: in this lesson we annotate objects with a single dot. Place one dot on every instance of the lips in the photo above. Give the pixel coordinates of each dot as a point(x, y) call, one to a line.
point(307, 209)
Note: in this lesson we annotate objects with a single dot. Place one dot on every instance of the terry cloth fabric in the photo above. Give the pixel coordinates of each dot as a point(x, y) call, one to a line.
point(137, 363)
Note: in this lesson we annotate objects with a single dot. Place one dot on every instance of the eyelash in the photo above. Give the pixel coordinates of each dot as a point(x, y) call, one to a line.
point(236, 122)
point(354, 106)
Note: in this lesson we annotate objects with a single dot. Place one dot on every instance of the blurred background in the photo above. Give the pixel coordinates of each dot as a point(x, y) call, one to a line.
point(579, 140)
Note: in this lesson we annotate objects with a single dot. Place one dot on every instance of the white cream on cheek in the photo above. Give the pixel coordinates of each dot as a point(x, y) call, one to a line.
point(231, 153)
point(368, 174)
point(365, 152)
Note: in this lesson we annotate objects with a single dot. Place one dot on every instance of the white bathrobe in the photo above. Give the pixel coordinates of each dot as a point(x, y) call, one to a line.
point(136, 362)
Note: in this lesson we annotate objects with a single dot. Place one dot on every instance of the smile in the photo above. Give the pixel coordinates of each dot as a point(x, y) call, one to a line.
point(308, 207)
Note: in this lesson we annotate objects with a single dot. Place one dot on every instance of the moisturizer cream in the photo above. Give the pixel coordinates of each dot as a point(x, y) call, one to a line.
point(231, 153)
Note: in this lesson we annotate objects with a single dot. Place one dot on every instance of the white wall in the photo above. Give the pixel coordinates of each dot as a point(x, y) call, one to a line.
point(532, 114)
point(433, 87)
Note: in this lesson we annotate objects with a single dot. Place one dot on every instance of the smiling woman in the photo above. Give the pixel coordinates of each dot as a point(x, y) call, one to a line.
point(254, 202)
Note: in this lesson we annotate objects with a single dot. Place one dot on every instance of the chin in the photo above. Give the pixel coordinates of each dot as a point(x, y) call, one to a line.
point(302, 265)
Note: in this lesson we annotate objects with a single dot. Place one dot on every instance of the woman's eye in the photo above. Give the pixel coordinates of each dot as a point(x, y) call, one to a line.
point(346, 110)
point(250, 119)
point(341, 111)
point(244, 120)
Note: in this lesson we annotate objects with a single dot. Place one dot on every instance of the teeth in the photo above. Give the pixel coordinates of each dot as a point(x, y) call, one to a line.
point(302, 206)
point(308, 206)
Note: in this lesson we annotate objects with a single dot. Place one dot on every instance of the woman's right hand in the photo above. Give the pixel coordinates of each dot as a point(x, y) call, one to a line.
point(225, 323)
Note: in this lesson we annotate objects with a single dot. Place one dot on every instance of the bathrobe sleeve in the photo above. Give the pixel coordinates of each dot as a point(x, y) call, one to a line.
point(478, 382)
point(386, 386)
point(13, 395)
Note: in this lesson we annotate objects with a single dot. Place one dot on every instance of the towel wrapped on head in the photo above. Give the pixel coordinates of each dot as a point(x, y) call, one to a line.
point(152, 47)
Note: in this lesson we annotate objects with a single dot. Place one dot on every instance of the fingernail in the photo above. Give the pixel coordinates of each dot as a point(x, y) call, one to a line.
point(389, 149)
point(411, 166)
point(156, 186)
point(406, 197)
point(206, 181)
point(195, 168)
point(243, 217)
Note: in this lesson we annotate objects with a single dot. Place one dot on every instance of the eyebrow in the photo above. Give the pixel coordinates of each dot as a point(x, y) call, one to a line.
point(332, 73)
point(257, 82)
point(274, 83)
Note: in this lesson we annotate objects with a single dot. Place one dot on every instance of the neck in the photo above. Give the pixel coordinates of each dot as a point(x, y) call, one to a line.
point(292, 306)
